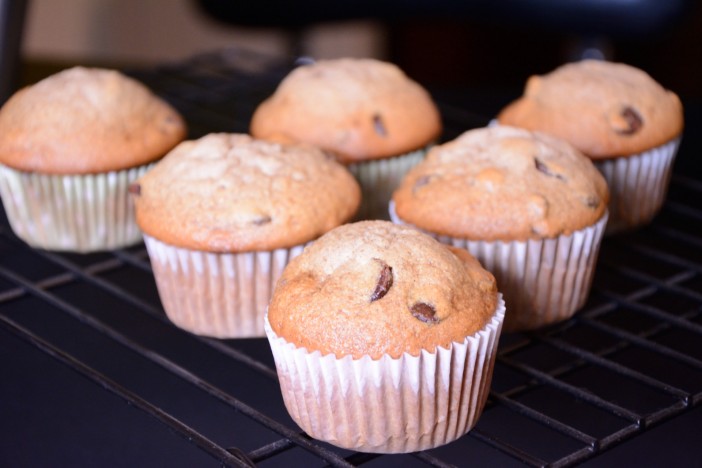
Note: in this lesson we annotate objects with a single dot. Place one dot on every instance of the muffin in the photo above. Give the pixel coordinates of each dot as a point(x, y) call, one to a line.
point(223, 215)
point(384, 339)
point(368, 113)
point(617, 115)
point(70, 145)
point(528, 206)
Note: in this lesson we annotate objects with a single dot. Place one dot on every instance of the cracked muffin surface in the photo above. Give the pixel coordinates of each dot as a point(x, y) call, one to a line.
point(374, 288)
point(231, 192)
point(502, 183)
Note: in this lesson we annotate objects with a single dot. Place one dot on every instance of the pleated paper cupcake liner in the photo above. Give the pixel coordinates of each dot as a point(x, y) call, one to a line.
point(389, 405)
point(544, 281)
point(78, 213)
point(638, 185)
point(221, 295)
point(378, 179)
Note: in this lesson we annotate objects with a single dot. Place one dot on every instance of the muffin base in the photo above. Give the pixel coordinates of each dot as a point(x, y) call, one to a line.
point(638, 185)
point(544, 281)
point(389, 405)
point(78, 213)
point(379, 178)
point(221, 295)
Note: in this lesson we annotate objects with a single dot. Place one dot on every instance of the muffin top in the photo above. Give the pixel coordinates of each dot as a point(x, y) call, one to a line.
point(502, 183)
point(359, 109)
point(232, 193)
point(604, 109)
point(374, 288)
point(86, 120)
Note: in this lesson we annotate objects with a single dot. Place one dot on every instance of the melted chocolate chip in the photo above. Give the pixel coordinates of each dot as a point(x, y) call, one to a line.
point(421, 182)
point(378, 125)
point(384, 281)
point(134, 189)
point(304, 60)
point(544, 169)
point(261, 220)
point(424, 312)
point(329, 156)
point(592, 202)
point(633, 121)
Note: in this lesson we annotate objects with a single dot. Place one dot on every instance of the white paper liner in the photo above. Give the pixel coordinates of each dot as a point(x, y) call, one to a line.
point(379, 178)
point(78, 213)
point(638, 185)
point(222, 295)
point(389, 405)
point(544, 281)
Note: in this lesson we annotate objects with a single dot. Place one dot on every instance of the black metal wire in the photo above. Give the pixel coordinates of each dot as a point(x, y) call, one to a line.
point(186, 432)
point(177, 370)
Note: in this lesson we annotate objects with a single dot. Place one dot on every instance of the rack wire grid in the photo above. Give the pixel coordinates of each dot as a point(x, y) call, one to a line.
point(91, 366)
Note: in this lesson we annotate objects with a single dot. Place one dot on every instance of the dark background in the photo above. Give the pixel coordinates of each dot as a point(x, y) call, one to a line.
point(499, 43)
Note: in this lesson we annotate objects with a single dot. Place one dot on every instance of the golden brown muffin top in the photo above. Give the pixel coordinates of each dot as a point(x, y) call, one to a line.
point(374, 288)
point(604, 109)
point(502, 183)
point(232, 193)
point(86, 120)
point(359, 109)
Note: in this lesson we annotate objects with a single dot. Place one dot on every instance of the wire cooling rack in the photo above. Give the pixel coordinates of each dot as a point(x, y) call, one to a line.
point(92, 372)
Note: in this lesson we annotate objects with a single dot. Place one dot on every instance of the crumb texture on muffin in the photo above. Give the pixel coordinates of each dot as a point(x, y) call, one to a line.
point(232, 193)
point(604, 109)
point(86, 120)
point(502, 183)
point(359, 109)
point(374, 288)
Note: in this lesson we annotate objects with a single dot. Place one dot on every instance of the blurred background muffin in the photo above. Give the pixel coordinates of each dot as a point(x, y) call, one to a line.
point(70, 145)
point(368, 113)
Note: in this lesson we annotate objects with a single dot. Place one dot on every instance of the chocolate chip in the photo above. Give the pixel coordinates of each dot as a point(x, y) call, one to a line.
point(304, 60)
point(633, 121)
point(424, 312)
point(261, 220)
point(592, 202)
point(384, 281)
point(134, 189)
point(421, 182)
point(378, 125)
point(329, 156)
point(543, 168)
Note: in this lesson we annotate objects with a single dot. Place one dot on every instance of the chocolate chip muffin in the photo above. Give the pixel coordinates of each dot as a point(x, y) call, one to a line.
point(357, 320)
point(618, 116)
point(224, 214)
point(70, 145)
point(368, 113)
point(529, 206)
